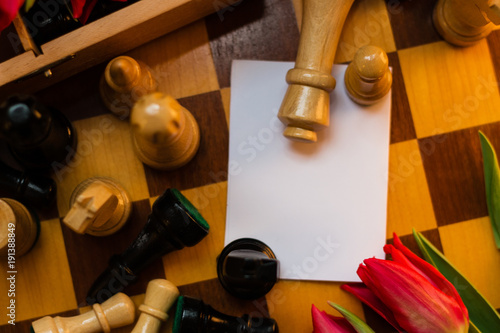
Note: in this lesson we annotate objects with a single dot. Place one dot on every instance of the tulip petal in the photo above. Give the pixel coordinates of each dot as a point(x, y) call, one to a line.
point(359, 325)
point(417, 305)
point(8, 10)
point(366, 296)
point(325, 323)
point(482, 314)
point(430, 272)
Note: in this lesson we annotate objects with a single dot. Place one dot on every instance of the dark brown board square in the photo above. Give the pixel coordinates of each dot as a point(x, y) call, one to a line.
point(254, 30)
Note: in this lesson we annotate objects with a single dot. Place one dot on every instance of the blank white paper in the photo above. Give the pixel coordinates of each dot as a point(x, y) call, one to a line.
point(320, 207)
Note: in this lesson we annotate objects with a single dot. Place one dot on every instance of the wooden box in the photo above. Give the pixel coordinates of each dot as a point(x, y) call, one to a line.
point(99, 41)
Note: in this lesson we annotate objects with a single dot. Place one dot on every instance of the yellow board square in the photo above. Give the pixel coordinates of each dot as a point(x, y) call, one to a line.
point(181, 61)
point(299, 296)
point(450, 88)
point(43, 283)
point(470, 247)
point(409, 202)
point(226, 101)
point(198, 263)
point(104, 149)
point(367, 24)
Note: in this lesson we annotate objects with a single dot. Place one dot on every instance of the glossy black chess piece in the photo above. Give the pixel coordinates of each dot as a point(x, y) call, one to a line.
point(247, 268)
point(173, 224)
point(33, 189)
point(36, 134)
point(194, 316)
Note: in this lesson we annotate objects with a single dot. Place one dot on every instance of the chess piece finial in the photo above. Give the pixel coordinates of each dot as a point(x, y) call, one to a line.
point(37, 135)
point(194, 316)
point(27, 187)
point(173, 224)
point(160, 296)
point(368, 77)
point(118, 311)
point(465, 22)
point(124, 81)
point(306, 105)
point(19, 224)
point(165, 134)
point(99, 206)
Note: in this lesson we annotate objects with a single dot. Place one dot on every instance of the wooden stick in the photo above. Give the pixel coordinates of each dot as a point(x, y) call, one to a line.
point(305, 107)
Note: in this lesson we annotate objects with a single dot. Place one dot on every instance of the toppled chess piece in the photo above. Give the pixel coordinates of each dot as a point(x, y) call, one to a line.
point(194, 316)
point(19, 224)
point(124, 81)
point(306, 106)
point(173, 224)
point(99, 207)
point(247, 268)
point(37, 135)
point(368, 77)
point(26, 187)
point(160, 296)
point(165, 135)
point(465, 22)
point(118, 311)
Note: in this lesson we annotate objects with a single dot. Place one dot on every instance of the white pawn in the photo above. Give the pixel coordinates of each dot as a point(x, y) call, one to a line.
point(117, 311)
point(160, 296)
point(165, 135)
point(368, 77)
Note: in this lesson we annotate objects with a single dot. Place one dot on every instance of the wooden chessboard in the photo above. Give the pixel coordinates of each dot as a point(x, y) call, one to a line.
point(441, 97)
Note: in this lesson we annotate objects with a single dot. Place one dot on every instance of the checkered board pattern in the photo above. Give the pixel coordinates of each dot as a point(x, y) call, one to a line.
point(441, 97)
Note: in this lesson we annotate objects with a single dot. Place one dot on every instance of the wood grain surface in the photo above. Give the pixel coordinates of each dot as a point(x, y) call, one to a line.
point(441, 97)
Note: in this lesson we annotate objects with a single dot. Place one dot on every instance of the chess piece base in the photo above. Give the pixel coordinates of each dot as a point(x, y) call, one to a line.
point(452, 36)
point(123, 210)
point(27, 227)
point(366, 98)
point(180, 159)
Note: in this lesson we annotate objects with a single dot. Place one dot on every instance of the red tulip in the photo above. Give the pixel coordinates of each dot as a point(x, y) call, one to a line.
point(325, 323)
point(8, 10)
point(83, 8)
point(410, 293)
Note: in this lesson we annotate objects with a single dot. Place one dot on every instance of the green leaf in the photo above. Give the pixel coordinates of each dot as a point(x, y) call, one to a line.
point(359, 325)
point(473, 328)
point(492, 182)
point(28, 4)
point(481, 314)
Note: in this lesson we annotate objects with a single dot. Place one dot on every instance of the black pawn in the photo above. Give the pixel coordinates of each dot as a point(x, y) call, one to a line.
point(194, 316)
point(173, 224)
point(25, 187)
point(37, 135)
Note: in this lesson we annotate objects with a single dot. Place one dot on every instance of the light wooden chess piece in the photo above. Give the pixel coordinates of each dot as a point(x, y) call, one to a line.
point(465, 22)
point(124, 81)
point(160, 296)
point(99, 206)
point(306, 105)
point(117, 311)
point(368, 77)
point(17, 220)
point(165, 135)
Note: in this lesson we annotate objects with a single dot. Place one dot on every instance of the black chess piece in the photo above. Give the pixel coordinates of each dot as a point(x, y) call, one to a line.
point(37, 135)
point(247, 268)
point(173, 224)
point(26, 187)
point(194, 316)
